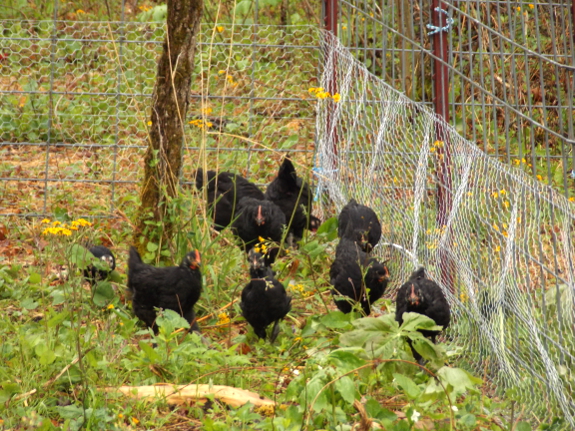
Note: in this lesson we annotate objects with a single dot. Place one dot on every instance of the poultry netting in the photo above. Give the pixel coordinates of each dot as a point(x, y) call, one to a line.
point(500, 244)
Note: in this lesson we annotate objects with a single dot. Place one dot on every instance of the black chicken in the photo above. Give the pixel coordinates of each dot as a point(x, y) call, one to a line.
point(176, 288)
point(360, 224)
point(225, 190)
point(422, 295)
point(258, 218)
point(355, 275)
point(93, 274)
point(264, 299)
point(293, 196)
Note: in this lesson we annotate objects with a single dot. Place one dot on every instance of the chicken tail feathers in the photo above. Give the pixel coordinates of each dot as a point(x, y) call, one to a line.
point(287, 172)
point(134, 258)
point(275, 331)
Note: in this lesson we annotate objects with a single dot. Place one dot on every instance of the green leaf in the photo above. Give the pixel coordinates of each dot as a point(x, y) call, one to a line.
point(415, 321)
point(328, 228)
point(150, 353)
point(314, 386)
point(169, 320)
point(457, 380)
point(28, 304)
point(345, 359)
point(335, 320)
point(522, 426)
point(58, 318)
point(374, 410)
point(35, 278)
point(115, 276)
point(70, 412)
point(408, 385)
point(58, 297)
point(469, 420)
point(152, 247)
point(346, 389)
point(45, 355)
point(80, 256)
point(289, 142)
point(103, 294)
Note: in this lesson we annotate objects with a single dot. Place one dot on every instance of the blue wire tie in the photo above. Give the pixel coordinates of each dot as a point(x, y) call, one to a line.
point(319, 187)
point(572, 174)
point(449, 22)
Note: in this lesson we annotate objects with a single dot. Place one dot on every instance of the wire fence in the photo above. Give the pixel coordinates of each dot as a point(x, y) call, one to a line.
point(503, 252)
point(75, 100)
point(510, 71)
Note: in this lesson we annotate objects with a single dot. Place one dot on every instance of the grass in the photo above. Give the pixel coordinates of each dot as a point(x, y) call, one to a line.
point(63, 344)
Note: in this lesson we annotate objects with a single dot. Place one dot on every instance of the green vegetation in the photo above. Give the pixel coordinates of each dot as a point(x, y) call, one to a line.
point(63, 344)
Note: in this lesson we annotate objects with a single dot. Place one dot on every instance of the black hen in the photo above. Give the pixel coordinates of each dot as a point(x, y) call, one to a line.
point(224, 191)
point(93, 274)
point(360, 224)
point(355, 275)
point(422, 295)
point(258, 218)
point(176, 288)
point(293, 196)
point(264, 299)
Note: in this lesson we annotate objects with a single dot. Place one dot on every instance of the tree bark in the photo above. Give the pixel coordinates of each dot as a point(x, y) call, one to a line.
point(163, 159)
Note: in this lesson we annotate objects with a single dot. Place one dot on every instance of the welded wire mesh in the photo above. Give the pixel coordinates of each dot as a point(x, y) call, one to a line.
point(503, 251)
point(511, 72)
point(75, 100)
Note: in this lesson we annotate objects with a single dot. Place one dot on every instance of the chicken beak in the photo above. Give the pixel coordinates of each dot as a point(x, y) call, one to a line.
point(260, 220)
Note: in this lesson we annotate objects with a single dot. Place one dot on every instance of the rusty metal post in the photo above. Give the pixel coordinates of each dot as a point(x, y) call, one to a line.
point(443, 152)
point(331, 11)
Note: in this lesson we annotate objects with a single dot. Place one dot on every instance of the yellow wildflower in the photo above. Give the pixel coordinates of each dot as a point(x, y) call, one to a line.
point(83, 222)
point(463, 297)
point(149, 123)
point(505, 234)
point(261, 240)
point(80, 11)
point(220, 28)
point(46, 220)
point(135, 421)
point(495, 194)
point(207, 110)
point(498, 249)
point(223, 319)
point(571, 199)
point(506, 204)
point(502, 192)
point(221, 72)
point(531, 6)
point(120, 415)
point(517, 161)
point(469, 193)
point(110, 307)
point(344, 27)
point(336, 97)
point(495, 227)
point(539, 177)
point(145, 8)
point(518, 9)
point(438, 144)
point(56, 223)
point(66, 232)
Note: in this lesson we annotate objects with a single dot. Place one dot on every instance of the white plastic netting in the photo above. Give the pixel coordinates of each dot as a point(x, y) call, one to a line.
point(506, 241)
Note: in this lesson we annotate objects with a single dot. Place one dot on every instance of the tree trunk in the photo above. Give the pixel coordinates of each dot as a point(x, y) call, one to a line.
point(170, 101)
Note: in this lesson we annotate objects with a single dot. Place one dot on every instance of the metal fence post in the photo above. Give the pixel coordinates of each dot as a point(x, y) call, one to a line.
point(441, 106)
point(331, 10)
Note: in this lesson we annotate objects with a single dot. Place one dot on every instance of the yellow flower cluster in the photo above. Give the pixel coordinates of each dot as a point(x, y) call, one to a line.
point(220, 28)
point(145, 8)
point(301, 289)
point(206, 111)
point(262, 246)
point(200, 124)
point(320, 93)
point(223, 319)
point(436, 145)
point(57, 228)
